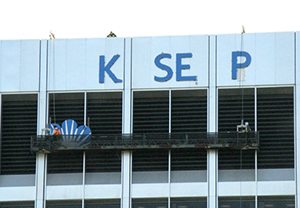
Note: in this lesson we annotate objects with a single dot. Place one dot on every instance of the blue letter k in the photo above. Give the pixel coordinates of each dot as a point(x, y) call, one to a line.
point(103, 68)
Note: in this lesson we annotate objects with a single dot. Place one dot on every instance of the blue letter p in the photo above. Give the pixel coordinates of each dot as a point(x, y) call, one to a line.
point(236, 65)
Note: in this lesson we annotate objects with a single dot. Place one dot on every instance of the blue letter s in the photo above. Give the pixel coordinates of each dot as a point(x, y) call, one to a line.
point(163, 67)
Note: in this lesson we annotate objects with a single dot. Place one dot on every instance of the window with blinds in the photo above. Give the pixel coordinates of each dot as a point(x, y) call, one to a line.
point(104, 112)
point(233, 106)
point(63, 106)
point(104, 116)
point(188, 115)
point(17, 204)
point(156, 112)
point(275, 122)
point(151, 112)
point(189, 111)
point(19, 123)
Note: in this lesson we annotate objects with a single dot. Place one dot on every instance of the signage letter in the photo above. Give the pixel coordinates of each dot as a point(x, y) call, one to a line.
point(236, 65)
point(103, 68)
point(163, 67)
point(180, 66)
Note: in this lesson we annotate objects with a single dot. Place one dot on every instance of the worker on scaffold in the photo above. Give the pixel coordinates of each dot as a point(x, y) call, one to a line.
point(111, 34)
point(56, 131)
point(248, 128)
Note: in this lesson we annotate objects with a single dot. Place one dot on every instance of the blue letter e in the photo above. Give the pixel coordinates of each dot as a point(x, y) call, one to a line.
point(180, 66)
point(236, 65)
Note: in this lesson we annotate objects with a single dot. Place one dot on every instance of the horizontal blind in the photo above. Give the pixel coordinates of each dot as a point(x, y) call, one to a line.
point(233, 106)
point(103, 161)
point(104, 111)
point(189, 111)
point(150, 160)
point(150, 112)
point(188, 159)
point(275, 122)
point(65, 162)
point(19, 123)
point(65, 106)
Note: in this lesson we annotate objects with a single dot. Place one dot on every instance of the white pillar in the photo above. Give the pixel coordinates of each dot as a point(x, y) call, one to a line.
point(212, 178)
point(126, 179)
point(297, 118)
point(41, 123)
point(126, 126)
point(212, 155)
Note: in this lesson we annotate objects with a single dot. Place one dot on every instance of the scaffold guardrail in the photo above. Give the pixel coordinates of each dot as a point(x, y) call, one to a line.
point(234, 140)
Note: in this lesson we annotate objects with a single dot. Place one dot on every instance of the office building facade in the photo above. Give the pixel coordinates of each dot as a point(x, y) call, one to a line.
point(152, 87)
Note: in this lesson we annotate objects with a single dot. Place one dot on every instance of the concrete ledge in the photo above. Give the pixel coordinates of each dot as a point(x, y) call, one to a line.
point(64, 192)
point(189, 190)
point(103, 191)
point(17, 193)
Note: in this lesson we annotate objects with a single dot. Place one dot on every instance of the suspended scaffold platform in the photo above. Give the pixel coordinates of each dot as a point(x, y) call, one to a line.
point(215, 140)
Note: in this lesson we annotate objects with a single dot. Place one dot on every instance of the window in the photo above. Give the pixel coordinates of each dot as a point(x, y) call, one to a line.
point(19, 123)
point(276, 201)
point(236, 202)
point(233, 106)
point(275, 122)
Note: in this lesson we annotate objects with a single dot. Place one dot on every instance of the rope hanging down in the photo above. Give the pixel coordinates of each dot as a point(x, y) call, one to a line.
point(242, 119)
point(52, 38)
point(241, 78)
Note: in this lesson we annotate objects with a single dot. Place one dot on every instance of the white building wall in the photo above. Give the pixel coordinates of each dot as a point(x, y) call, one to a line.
point(146, 49)
point(212, 155)
point(126, 127)
point(272, 61)
point(297, 117)
point(19, 65)
point(9, 194)
point(73, 65)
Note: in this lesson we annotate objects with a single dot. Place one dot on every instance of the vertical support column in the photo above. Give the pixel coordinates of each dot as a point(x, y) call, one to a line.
point(212, 178)
point(169, 179)
point(126, 179)
point(126, 126)
point(255, 129)
point(42, 121)
point(85, 119)
point(297, 117)
point(84, 154)
point(212, 155)
point(83, 180)
point(169, 162)
point(0, 122)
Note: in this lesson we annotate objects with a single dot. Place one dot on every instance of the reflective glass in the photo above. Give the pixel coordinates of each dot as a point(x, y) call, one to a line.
point(189, 204)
